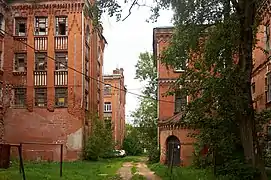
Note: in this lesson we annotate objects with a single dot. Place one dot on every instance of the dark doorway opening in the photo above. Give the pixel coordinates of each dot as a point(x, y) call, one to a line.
point(173, 151)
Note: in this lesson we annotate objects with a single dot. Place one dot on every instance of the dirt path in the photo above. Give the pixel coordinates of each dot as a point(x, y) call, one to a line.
point(142, 169)
point(125, 171)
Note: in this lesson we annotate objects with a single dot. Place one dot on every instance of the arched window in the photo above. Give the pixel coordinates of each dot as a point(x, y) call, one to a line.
point(88, 35)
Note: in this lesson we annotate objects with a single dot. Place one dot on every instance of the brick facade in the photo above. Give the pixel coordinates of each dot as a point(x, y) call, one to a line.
point(166, 104)
point(60, 118)
point(115, 98)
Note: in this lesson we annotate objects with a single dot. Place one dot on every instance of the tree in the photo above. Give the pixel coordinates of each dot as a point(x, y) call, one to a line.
point(132, 143)
point(217, 32)
point(100, 143)
point(145, 116)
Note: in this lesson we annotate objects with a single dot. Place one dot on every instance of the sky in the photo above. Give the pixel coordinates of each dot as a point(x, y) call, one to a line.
point(126, 40)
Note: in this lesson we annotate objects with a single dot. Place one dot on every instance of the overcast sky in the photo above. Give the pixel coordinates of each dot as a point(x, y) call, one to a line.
point(126, 40)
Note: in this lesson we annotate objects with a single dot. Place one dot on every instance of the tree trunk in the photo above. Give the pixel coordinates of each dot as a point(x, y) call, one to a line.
point(246, 117)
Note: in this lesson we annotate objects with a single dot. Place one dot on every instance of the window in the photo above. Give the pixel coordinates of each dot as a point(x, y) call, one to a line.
point(182, 64)
point(40, 97)
point(180, 101)
point(20, 27)
point(87, 68)
point(2, 22)
point(20, 62)
point(61, 25)
point(108, 123)
point(61, 95)
point(107, 89)
point(41, 26)
point(40, 62)
point(86, 100)
point(87, 53)
point(253, 88)
point(269, 138)
point(107, 107)
point(268, 85)
point(19, 97)
point(61, 61)
point(267, 37)
point(99, 54)
point(1, 60)
point(88, 35)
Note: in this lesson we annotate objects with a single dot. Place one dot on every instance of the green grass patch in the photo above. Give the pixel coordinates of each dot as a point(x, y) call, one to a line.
point(80, 170)
point(133, 170)
point(138, 177)
point(182, 173)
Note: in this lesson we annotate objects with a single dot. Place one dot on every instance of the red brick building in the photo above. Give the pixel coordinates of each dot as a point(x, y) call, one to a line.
point(114, 104)
point(261, 75)
point(3, 102)
point(174, 141)
point(52, 78)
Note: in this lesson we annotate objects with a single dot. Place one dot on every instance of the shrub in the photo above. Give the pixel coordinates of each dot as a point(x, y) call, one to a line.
point(100, 143)
point(132, 144)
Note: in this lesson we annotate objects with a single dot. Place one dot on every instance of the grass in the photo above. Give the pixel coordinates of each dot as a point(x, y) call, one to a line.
point(181, 173)
point(133, 170)
point(80, 170)
point(138, 177)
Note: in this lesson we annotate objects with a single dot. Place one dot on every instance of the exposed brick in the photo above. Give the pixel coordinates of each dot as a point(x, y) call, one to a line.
point(50, 124)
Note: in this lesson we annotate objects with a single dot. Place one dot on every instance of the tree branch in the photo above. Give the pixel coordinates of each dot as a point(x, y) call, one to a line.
point(235, 5)
point(130, 9)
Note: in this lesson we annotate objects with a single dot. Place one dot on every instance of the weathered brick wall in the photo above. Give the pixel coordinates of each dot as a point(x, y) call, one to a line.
point(49, 124)
point(45, 127)
point(186, 150)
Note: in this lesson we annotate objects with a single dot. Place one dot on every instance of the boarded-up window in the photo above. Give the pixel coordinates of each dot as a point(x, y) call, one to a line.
point(19, 97)
point(41, 26)
point(20, 26)
point(40, 62)
point(40, 97)
point(61, 26)
point(180, 101)
point(61, 95)
point(20, 62)
point(61, 61)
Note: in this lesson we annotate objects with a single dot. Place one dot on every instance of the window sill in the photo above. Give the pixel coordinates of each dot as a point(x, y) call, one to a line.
point(18, 107)
point(59, 107)
point(19, 73)
point(178, 70)
point(18, 36)
point(107, 111)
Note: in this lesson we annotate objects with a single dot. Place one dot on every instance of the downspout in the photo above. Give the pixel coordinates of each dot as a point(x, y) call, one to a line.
point(157, 68)
point(82, 100)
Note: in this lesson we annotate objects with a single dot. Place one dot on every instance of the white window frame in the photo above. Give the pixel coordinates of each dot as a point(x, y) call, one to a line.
point(107, 107)
point(180, 69)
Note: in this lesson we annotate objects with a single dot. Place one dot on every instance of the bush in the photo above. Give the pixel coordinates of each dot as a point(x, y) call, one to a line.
point(154, 154)
point(100, 143)
point(132, 144)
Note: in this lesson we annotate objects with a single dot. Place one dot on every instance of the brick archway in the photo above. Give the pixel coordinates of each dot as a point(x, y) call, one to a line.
point(173, 146)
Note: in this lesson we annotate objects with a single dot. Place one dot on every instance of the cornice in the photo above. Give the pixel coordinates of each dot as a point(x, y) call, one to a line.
point(69, 6)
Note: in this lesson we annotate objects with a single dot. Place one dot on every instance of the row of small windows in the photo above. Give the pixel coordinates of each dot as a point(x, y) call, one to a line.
point(40, 62)
point(41, 26)
point(61, 94)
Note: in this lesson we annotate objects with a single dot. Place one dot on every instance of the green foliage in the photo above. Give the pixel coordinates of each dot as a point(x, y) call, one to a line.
point(132, 144)
point(71, 170)
point(145, 116)
point(138, 177)
point(100, 143)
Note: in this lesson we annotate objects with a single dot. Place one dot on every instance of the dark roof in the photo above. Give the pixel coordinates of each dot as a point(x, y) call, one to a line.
point(173, 120)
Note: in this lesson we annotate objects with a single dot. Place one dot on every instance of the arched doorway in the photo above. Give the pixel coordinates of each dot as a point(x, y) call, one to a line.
point(173, 151)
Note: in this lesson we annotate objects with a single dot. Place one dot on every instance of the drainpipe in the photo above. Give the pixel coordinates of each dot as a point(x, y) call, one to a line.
point(82, 100)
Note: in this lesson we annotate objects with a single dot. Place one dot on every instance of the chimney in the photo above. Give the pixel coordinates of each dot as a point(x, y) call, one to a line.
point(121, 71)
point(101, 29)
point(116, 71)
